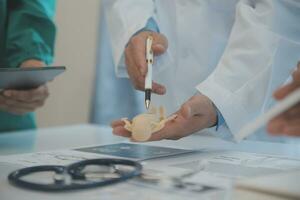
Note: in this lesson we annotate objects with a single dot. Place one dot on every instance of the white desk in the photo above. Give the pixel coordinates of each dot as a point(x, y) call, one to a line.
point(88, 135)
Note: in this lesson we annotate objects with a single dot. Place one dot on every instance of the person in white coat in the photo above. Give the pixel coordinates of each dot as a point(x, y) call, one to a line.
point(217, 61)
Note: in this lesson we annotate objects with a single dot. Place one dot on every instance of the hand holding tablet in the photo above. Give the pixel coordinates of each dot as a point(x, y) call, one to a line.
point(27, 78)
point(24, 89)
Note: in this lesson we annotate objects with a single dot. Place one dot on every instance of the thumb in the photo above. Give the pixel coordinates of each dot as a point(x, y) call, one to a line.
point(289, 88)
point(160, 44)
point(194, 106)
point(158, 49)
point(284, 91)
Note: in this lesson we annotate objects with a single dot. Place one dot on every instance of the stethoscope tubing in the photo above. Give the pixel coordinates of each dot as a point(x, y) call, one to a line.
point(74, 172)
point(15, 177)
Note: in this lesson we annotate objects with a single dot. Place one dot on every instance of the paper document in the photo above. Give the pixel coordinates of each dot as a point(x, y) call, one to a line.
point(136, 152)
point(145, 187)
point(61, 157)
point(211, 173)
point(222, 169)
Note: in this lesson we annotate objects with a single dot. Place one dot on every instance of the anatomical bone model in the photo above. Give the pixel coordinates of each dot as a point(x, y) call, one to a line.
point(143, 125)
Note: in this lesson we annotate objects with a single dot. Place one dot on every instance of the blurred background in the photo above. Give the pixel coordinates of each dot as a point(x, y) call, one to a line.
point(88, 92)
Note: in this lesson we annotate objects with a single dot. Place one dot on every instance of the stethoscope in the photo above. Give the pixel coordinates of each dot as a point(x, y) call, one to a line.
point(80, 175)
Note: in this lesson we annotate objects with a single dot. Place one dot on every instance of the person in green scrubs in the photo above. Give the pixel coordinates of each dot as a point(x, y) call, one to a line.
point(27, 36)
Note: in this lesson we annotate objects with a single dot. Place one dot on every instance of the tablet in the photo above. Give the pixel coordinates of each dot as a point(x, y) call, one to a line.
point(27, 78)
point(134, 151)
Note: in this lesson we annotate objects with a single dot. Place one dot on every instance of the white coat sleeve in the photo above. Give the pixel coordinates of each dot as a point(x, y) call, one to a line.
point(240, 84)
point(124, 18)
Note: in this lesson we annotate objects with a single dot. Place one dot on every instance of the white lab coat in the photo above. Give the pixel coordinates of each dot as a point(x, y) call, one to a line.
point(236, 52)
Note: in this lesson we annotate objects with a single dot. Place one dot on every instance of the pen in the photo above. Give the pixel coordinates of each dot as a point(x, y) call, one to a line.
point(148, 80)
point(283, 105)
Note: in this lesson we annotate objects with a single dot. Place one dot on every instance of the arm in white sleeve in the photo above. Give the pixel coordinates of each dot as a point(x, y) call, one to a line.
point(240, 84)
point(124, 19)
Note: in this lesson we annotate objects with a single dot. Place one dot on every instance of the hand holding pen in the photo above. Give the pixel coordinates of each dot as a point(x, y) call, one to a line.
point(135, 59)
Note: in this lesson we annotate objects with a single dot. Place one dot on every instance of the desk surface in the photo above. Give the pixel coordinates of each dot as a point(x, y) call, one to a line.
point(89, 135)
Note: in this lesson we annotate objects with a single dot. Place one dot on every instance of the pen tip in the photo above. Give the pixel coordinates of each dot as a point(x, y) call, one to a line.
point(147, 104)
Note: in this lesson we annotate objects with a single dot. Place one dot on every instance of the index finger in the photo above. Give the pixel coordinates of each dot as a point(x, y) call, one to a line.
point(37, 94)
point(140, 59)
point(287, 89)
point(138, 46)
point(117, 123)
point(121, 131)
point(284, 91)
point(296, 76)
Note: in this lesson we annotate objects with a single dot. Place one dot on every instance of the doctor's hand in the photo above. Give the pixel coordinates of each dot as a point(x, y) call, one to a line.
point(287, 123)
point(194, 115)
point(20, 102)
point(135, 59)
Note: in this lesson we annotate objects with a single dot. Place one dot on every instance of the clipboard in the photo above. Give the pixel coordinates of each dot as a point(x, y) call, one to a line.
point(28, 78)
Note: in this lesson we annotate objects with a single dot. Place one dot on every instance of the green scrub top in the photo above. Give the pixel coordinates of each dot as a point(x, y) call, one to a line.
point(27, 31)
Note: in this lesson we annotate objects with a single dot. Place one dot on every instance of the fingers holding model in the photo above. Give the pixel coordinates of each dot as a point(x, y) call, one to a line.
point(194, 115)
point(135, 59)
point(20, 102)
